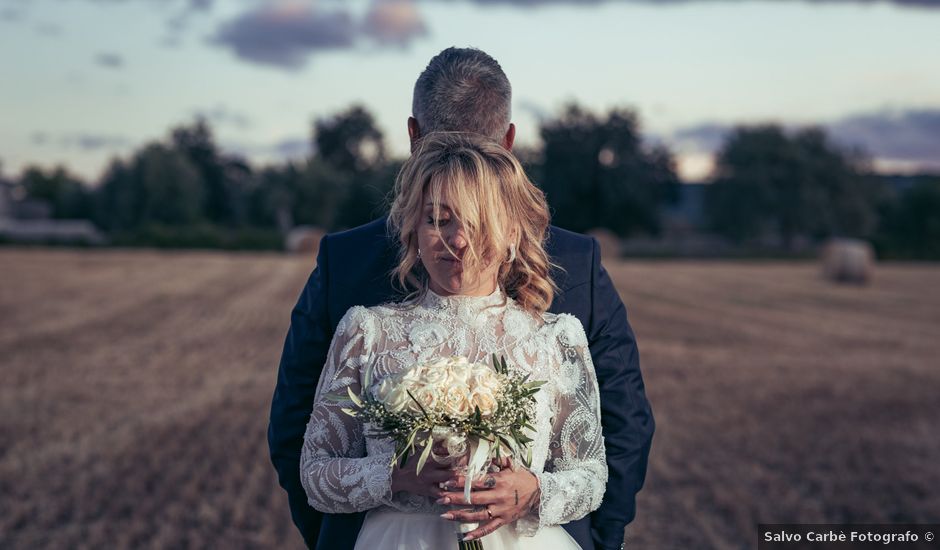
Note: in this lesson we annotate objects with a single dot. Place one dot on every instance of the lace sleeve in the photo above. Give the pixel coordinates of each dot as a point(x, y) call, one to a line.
point(334, 469)
point(575, 474)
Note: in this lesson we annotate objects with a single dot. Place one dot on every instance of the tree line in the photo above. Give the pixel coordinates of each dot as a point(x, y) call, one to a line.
point(595, 169)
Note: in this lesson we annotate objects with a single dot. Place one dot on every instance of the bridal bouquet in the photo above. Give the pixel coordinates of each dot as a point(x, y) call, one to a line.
point(471, 409)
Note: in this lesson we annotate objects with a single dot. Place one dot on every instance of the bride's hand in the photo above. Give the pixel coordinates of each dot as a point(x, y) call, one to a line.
point(500, 498)
point(428, 483)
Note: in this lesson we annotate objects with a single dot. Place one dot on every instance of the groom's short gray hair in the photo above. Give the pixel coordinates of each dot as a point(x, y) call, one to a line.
point(463, 90)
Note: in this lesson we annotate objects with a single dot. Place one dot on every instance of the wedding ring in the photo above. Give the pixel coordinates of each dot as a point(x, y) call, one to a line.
point(488, 513)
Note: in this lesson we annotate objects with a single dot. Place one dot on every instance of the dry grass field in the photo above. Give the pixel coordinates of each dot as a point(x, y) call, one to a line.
point(136, 388)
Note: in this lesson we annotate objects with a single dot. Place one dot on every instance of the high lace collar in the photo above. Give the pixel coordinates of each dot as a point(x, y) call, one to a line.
point(463, 303)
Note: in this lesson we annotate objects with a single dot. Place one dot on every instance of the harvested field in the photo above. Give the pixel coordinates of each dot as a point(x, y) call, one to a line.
point(136, 388)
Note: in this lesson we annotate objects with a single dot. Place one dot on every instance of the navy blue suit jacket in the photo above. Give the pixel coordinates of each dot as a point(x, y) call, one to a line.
point(352, 269)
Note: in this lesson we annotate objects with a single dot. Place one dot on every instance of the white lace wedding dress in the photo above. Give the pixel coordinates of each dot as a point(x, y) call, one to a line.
point(342, 470)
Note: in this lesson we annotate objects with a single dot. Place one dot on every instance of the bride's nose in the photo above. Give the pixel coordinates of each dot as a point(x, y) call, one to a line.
point(457, 239)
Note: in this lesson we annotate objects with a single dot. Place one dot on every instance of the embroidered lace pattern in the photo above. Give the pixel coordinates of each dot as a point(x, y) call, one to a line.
point(342, 470)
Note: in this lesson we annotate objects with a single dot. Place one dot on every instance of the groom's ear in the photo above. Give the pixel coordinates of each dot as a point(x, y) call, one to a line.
point(413, 131)
point(510, 137)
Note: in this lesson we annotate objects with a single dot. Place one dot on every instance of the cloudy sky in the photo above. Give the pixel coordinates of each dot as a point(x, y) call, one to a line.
point(86, 80)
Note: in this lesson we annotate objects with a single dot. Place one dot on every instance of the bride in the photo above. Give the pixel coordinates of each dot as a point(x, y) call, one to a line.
point(471, 228)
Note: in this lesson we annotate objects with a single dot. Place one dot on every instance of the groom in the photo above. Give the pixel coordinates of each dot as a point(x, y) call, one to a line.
point(462, 90)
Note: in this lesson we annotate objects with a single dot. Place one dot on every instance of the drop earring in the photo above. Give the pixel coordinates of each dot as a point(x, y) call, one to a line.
point(419, 253)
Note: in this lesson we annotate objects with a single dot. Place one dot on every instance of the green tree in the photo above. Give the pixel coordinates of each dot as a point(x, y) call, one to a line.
point(159, 185)
point(173, 188)
point(911, 224)
point(368, 196)
point(349, 141)
point(119, 199)
point(346, 181)
point(68, 196)
point(596, 172)
point(225, 178)
point(794, 185)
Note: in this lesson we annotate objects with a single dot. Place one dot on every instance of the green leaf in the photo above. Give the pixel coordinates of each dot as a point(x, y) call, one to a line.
point(424, 454)
point(355, 399)
point(410, 442)
point(350, 412)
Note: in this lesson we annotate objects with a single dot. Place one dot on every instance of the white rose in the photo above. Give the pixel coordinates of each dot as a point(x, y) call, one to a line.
point(457, 401)
point(392, 393)
point(413, 373)
point(428, 396)
point(484, 400)
point(439, 364)
point(485, 378)
point(435, 374)
point(458, 373)
point(479, 368)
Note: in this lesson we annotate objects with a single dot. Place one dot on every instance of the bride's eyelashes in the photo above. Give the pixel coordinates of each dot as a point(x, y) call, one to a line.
point(440, 223)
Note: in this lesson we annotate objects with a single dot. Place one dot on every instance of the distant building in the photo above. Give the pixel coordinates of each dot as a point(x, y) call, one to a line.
point(25, 220)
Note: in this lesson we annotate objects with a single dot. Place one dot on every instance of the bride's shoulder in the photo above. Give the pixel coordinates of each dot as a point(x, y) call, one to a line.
point(566, 328)
point(357, 319)
point(391, 310)
point(374, 316)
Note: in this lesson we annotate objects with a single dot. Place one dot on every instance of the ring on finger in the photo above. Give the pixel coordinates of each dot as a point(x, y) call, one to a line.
point(489, 513)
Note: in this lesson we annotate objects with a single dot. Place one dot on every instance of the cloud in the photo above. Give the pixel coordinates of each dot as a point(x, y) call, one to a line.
point(393, 22)
point(910, 137)
point(109, 60)
point(285, 33)
point(10, 14)
point(288, 148)
point(90, 142)
point(83, 140)
point(292, 147)
point(221, 114)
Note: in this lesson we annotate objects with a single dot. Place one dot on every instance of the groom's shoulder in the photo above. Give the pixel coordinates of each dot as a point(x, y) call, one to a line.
point(564, 242)
point(374, 233)
point(574, 253)
point(364, 244)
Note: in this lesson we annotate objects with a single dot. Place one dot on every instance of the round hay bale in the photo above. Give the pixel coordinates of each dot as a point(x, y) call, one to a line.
point(611, 247)
point(304, 239)
point(848, 261)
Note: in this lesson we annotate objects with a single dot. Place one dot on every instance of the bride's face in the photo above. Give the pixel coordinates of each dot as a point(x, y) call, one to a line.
point(445, 268)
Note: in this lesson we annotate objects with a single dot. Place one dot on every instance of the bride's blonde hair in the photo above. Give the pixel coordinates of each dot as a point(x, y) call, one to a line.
point(497, 206)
